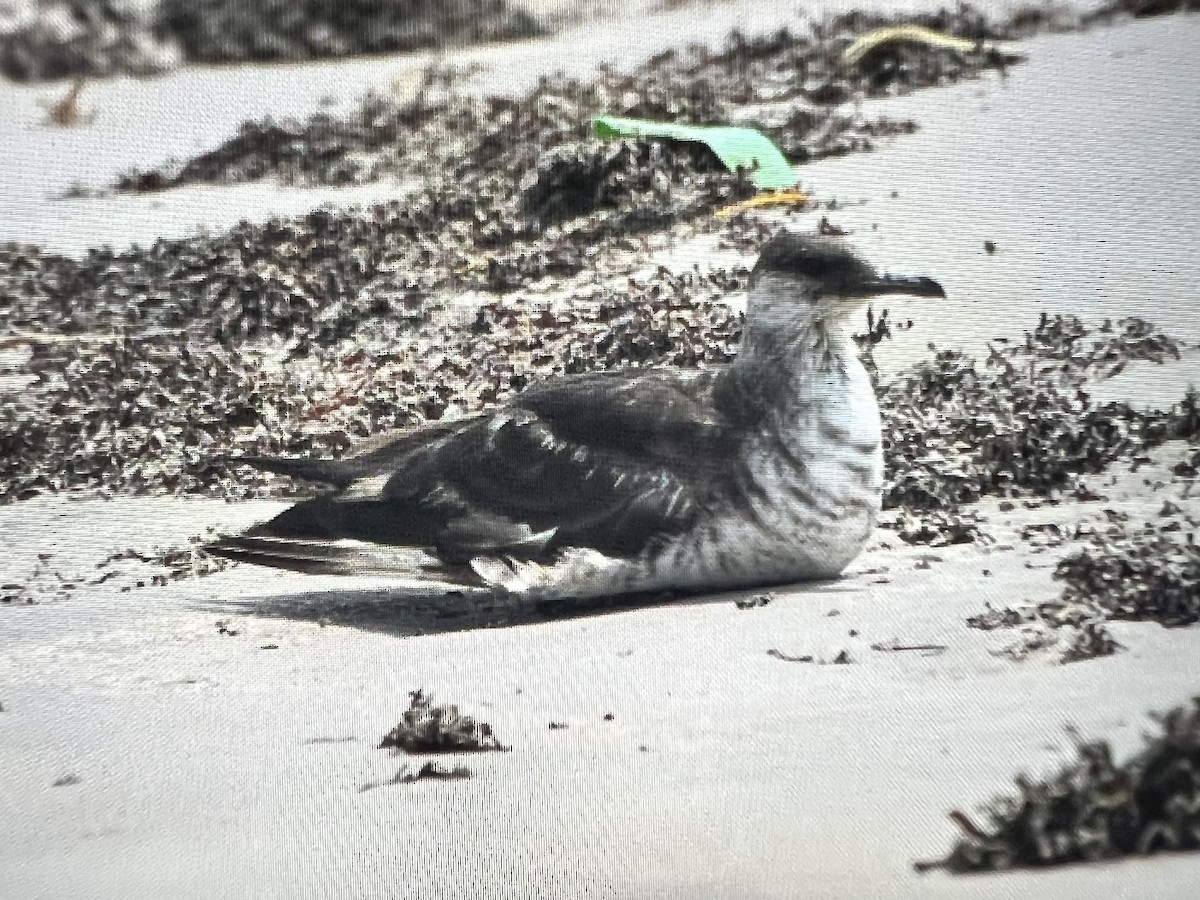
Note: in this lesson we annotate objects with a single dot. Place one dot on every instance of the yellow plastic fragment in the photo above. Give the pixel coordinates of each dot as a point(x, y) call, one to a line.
point(912, 34)
point(765, 199)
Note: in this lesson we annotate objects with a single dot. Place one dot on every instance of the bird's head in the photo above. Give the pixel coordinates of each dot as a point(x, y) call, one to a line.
point(805, 279)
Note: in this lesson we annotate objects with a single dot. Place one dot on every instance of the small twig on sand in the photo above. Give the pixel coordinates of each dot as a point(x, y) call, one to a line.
point(894, 646)
point(430, 770)
point(65, 112)
point(780, 655)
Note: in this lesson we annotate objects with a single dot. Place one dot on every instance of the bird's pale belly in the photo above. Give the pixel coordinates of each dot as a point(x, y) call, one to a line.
point(800, 529)
point(817, 492)
point(806, 526)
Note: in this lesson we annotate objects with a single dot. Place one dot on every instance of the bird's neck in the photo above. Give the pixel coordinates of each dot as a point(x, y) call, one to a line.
point(818, 348)
point(778, 381)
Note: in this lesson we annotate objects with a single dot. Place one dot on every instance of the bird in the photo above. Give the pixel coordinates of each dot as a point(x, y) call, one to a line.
point(764, 470)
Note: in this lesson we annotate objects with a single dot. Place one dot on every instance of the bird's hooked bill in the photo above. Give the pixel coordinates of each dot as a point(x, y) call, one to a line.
point(913, 285)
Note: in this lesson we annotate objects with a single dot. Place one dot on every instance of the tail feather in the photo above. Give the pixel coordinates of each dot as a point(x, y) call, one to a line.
point(346, 557)
point(333, 472)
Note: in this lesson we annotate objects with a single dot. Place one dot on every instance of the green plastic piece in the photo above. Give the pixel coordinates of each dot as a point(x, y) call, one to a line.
point(734, 146)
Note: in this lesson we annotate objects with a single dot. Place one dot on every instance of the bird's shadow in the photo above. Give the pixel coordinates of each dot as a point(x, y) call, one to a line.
point(412, 611)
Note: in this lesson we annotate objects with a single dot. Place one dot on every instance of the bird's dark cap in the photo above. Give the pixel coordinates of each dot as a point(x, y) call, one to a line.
point(830, 263)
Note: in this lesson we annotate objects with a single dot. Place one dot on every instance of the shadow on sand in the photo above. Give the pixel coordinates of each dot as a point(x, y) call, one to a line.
point(409, 611)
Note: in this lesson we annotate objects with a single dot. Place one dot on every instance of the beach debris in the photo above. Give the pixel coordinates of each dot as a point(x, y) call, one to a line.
point(1089, 640)
point(43, 582)
point(108, 415)
point(1074, 641)
point(1142, 575)
point(936, 527)
point(69, 38)
point(926, 561)
point(65, 112)
point(426, 728)
point(891, 54)
point(989, 246)
point(131, 568)
point(1044, 535)
point(1073, 627)
point(895, 645)
point(66, 780)
point(878, 38)
point(628, 186)
point(828, 229)
point(736, 147)
point(755, 601)
point(12, 592)
point(1189, 466)
point(879, 328)
point(792, 199)
point(778, 654)
point(499, 140)
point(1145, 8)
point(841, 658)
point(215, 31)
point(1021, 423)
point(1006, 617)
point(1093, 809)
point(429, 771)
point(43, 41)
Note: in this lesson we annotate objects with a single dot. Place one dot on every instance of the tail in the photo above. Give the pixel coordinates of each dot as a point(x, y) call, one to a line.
point(333, 472)
point(341, 557)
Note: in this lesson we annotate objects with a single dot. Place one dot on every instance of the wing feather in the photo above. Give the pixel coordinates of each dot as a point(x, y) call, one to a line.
point(605, 462)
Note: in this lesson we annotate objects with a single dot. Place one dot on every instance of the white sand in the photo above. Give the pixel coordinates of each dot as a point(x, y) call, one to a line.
point(759, 778)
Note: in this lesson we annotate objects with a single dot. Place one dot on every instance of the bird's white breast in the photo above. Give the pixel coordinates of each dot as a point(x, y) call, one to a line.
point(817, 501)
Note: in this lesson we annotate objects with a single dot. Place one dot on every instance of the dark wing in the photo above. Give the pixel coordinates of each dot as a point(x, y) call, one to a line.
point(611, 462)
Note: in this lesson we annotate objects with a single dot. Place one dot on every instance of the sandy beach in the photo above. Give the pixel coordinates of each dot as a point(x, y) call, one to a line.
point(219, 731)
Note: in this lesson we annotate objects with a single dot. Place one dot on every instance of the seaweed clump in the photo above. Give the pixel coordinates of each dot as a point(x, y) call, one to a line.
point(426, 728)
point(1022, 422)
point(42, 40)
point(1093, 808)
point(1082, 636)
point(501, 140)
point(1147, 575)
point(1151, 574)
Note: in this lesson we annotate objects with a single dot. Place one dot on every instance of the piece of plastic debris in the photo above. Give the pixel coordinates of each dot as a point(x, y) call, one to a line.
point(735, 146)
point(765, 199)
point(908, 34)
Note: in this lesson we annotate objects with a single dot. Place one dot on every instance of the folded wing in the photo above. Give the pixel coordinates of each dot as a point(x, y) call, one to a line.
point(611, 462)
